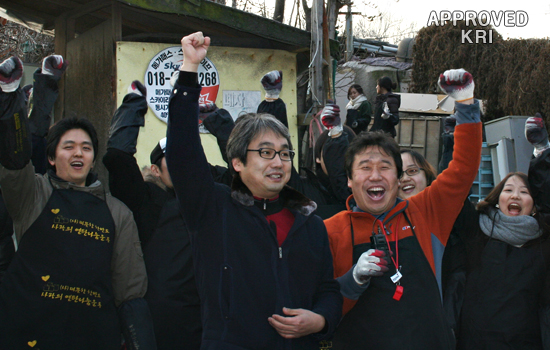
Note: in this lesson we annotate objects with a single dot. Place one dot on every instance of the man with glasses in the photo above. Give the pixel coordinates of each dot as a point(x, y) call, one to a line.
point(262, 260)
point(387, 251)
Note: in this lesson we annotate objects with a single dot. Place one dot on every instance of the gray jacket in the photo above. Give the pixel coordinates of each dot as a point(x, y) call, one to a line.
point(26, 194)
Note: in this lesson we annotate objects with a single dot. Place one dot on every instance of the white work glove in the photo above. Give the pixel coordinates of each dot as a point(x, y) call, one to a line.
point(386, 111)
point(54, 65)
point(174, 77)
point(457, 83)
point(330, 117)
point(371, 263)
point(536, 134)
point(11, 72)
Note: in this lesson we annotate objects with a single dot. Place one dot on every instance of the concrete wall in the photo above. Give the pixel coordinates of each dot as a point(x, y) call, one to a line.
point(239, 69)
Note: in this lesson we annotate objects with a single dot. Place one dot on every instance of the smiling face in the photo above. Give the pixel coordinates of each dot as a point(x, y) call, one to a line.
point(353, 93)
point(374, 181)
point(265, 178)
point(411, 185)
point(74, 156)
point(515, 199)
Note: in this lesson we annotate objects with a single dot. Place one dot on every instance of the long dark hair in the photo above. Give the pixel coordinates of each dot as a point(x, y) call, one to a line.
point(386, 83)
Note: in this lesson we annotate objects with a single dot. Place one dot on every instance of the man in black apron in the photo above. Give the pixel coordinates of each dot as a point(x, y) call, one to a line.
point(387, 252)
point(79, 261)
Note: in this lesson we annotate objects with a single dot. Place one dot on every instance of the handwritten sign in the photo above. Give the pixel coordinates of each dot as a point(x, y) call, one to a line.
point(241, 102)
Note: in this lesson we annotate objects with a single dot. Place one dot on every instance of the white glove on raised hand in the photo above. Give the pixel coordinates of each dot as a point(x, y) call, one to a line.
point(386, 111)
point(536, 134)
point(54, 65)
point(371, 263)
point(11, 72)
point(457, 83)
point(330, 117)
point(174, 77)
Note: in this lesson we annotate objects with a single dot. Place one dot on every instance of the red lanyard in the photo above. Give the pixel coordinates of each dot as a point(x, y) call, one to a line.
point(398, 288)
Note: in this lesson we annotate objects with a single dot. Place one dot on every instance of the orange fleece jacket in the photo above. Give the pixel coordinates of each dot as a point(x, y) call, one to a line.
point(432, 212)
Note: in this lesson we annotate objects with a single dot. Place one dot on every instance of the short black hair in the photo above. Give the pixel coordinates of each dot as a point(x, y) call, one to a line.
point(373, 138)
point(61, 127)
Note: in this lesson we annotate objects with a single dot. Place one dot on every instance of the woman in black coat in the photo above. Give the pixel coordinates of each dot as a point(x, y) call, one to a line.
point(507, 297)
point(386, 107)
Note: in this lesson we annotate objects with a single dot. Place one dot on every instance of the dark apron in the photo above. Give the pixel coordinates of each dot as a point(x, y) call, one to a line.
point(502, 299)
point(57, 293)
point(416, 321)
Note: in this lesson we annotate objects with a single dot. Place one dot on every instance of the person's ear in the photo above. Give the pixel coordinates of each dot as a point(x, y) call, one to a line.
point(349, 182)
point(318, 160)
point(51, 161)
point(237, 164)
point(155, 170)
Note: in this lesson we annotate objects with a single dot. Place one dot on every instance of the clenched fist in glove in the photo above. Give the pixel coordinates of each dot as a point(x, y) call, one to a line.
point(457, 83)
point(371, 263)
point(136, 87)
point(330, 117)
point(11, 71)
point(536, 134)
point(272, 83)
point(54, 65)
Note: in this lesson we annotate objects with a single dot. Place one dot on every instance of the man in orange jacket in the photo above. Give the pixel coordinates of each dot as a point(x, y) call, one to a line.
point(387, 251)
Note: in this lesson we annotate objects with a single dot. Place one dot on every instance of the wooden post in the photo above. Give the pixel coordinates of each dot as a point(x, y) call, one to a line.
point(349, 34)
point(64, 32)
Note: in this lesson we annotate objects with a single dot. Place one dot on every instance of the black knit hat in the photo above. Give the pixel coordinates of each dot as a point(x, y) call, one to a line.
point(158, 151)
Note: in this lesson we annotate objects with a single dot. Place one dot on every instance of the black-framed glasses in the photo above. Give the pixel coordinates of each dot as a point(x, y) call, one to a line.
point(412, 171)
point(270, 153)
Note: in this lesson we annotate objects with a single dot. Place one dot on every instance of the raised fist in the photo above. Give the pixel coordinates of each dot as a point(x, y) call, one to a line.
point(273, 80)
point(371, 263)
point(11, 72)
point(54, 65)
point(457, 83)
point(137, 88)
point(330, 117)
point(536, 134)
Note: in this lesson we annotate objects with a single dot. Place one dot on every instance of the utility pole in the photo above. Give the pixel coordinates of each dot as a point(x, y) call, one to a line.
point(316, 54)
point(349, 30)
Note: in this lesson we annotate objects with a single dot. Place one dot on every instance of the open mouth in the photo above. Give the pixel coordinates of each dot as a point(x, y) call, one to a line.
point(77, 165)
point(408, 188)
point(275, 176)
point(376, 193)
point(514, 209)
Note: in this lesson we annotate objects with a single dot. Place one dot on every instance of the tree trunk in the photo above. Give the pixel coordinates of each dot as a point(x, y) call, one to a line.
point(307, 13)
